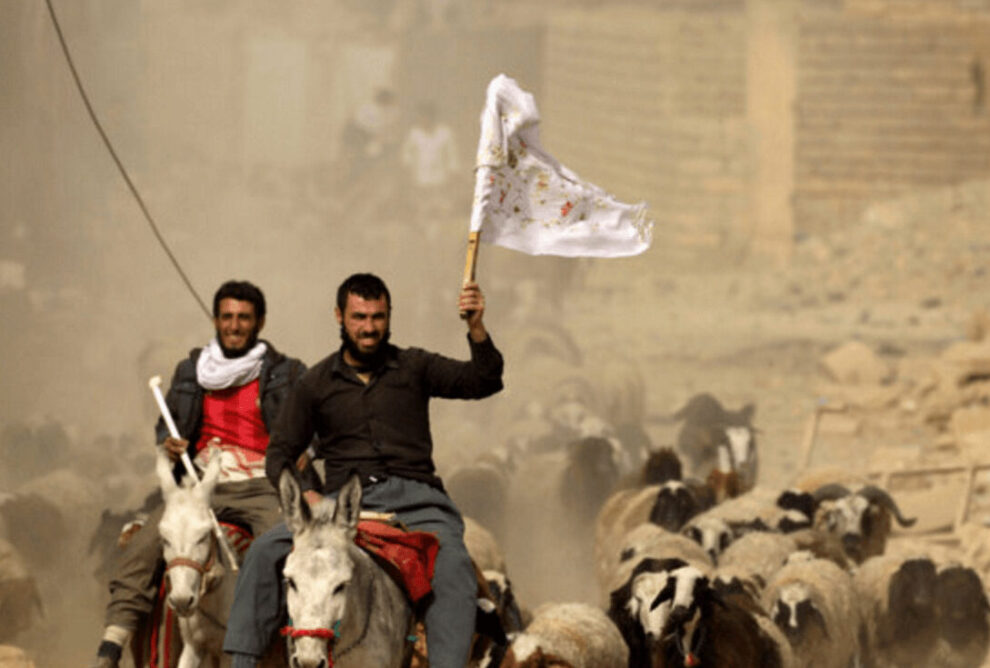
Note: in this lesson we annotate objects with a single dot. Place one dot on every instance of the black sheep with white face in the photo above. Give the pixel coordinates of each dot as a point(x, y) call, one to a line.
point(628, 608)
point(799, 510)
point(704, 629)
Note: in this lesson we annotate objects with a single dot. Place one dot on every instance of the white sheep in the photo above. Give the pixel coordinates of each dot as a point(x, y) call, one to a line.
point(814, 602)
point(713, 534)
point(758, 505)
point(897, 599)
point(482, 546)
point(759, 553)
point(572, 635)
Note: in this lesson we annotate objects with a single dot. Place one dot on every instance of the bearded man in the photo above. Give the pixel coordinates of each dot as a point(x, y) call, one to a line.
point(225, 394)
point(368, 406)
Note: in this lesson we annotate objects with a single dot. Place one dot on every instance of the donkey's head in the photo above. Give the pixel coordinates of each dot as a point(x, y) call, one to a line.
point(318, 571)
point(186, 528)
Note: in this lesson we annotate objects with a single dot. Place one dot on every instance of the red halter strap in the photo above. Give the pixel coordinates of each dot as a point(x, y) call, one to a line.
point(293, 632)
point(322, 632)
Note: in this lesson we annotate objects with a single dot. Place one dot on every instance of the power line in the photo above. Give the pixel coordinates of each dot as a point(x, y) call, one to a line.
point(120, 165)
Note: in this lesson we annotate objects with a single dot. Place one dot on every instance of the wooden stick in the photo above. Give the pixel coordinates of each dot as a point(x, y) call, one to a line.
point(808, 441)
point(155, 383)
point(470, 263)
point(963, 512)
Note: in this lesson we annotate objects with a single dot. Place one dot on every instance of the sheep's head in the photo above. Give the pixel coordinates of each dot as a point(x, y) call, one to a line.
point(861, 519)
point(797, 614)
point(674, 506)
point(661, 466)
point(846, 518)
point(798, 510)
point(712, 534)
point(689, 594)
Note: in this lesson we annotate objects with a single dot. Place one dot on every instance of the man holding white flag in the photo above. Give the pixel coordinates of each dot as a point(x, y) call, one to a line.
point(526, 200)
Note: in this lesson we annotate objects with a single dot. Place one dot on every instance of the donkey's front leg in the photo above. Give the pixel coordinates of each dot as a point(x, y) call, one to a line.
point(192, 650)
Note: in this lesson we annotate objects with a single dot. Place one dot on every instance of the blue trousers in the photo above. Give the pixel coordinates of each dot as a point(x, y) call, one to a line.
point(258, 610)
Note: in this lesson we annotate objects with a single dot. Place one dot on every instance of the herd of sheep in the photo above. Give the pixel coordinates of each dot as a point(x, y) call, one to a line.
point(720, 571)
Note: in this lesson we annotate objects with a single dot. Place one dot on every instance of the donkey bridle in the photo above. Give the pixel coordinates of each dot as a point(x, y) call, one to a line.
point(331, 634)
point(202, 568)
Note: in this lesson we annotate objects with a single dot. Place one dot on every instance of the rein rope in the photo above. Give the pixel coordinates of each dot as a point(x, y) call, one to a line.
point(690, 658)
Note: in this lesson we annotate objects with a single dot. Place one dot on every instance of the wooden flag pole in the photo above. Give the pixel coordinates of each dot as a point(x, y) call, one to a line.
point(470, 262)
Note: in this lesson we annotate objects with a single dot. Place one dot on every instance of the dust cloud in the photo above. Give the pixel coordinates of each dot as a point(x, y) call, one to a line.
point(267, 142)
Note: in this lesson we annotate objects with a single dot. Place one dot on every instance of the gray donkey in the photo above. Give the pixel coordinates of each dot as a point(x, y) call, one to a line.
point(345, 610)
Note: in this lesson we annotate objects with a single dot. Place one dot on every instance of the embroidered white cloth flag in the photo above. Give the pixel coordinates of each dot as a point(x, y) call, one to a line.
point(525, 200)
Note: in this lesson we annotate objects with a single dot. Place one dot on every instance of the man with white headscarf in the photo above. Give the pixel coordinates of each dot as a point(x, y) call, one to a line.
point(225, 394)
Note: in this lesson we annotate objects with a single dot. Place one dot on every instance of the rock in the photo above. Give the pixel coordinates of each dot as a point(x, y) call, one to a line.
point(868, 397)
point(839, 424)
point(978, 325)
point(968, 420)
point(967, 359)
point(14, 657)
point(855, 363)
point(974, 445)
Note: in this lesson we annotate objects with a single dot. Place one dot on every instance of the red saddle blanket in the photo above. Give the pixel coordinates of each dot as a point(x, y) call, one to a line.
point(411, 554)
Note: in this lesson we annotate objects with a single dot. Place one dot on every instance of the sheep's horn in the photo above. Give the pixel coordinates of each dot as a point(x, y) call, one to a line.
point(872, 493)
point(830, 492)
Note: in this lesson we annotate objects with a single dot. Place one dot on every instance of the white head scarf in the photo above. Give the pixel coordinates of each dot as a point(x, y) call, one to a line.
point(216, 372)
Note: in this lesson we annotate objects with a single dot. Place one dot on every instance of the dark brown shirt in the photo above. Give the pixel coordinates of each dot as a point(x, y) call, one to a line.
point(381, 428)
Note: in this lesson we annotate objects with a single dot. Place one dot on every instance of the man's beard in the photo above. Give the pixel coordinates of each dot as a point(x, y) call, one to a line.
point(230, 353)
point(371, 360)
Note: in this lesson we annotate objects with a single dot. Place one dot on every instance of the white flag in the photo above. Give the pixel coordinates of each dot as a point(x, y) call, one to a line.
point(525, 200)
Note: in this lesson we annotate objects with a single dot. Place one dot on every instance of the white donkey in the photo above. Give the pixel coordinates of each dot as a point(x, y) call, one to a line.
point(345, 611)
point(198, 592)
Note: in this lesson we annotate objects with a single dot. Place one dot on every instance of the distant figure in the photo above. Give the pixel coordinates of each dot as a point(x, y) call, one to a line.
point(370, 133)
point(978, 76)
point(430, 155)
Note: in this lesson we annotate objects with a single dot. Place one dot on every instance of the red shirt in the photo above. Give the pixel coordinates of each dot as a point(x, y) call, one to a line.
point(233, 415)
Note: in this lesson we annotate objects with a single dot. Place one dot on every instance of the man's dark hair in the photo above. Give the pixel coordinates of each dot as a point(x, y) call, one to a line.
point(241, 291)
point(366, 286)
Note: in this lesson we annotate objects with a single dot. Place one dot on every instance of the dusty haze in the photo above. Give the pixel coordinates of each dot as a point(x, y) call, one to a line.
point(786, 222)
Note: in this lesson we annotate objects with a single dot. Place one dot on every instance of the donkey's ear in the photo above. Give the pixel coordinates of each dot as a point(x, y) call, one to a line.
point(347, 510)
point(163, 467)
point(212, 474)
point(294, 507)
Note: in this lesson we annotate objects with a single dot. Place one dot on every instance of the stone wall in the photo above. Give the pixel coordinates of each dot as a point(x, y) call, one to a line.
point(650, 102)
point(887, 105)
point(650, 105)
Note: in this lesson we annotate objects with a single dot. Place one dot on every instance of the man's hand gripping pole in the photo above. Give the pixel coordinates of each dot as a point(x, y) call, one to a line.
point(155, 383)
